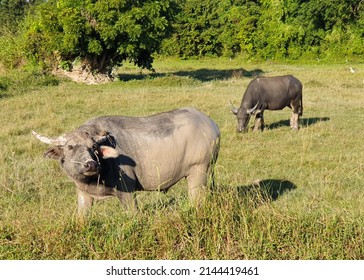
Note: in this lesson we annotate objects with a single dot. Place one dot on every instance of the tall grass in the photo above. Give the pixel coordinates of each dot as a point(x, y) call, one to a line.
point(279, 194)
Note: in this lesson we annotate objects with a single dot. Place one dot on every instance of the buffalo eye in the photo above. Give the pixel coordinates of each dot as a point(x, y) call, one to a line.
point(70, 147)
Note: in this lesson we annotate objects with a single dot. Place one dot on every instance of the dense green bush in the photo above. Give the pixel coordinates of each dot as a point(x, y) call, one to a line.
point(274, 29)
point(102, 34)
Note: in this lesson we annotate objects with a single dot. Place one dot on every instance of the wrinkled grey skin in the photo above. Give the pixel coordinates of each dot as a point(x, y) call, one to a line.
point(118, 155)
point(270, 93)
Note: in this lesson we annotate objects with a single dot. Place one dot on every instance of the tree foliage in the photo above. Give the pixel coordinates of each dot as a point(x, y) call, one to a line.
point(273, 29)
point(11, 13)
point(101, 34)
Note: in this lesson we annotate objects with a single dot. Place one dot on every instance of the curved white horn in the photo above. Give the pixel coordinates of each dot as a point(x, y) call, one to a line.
point(252, 110)
point(233, 109)
point(61, 140)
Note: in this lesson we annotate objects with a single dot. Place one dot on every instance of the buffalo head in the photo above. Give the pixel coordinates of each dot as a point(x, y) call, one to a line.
point(243, 115)
point(80, 152)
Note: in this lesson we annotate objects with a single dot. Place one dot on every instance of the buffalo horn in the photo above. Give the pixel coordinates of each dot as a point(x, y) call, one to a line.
point(101, 137)
point(60, 141)
point(252, 110)
point(233, 109)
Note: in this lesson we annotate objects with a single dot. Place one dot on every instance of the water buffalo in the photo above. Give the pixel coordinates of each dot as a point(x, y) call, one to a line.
point(118, 155)
point(269, 93)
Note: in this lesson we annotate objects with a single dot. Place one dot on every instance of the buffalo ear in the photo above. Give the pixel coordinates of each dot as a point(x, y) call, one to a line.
point(54, 153)
point(108, 152)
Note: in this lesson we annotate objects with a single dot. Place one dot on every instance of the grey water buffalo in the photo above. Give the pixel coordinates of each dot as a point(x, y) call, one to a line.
point(269, 93)
point(118, 155)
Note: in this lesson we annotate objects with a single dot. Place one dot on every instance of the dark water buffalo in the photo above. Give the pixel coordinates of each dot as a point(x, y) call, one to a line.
point(118, 155)
point(269, 93)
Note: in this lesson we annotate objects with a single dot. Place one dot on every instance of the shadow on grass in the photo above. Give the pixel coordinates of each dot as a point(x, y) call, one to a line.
point(3, 95)
point(264, 191)
point(303, 121)
point(203, 75)
point(252, 196)
point(3, 89)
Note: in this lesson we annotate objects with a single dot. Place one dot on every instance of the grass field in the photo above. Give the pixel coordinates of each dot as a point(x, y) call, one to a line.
point(280, 194)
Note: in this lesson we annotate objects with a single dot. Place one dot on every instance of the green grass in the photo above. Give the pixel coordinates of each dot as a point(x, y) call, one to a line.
point(308, 204)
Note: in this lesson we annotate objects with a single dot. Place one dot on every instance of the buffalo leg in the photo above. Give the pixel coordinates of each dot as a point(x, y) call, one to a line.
point(127, 200)
point(259, 122)
point(296, 113)
point(294, 121)
point(84, 202)
point(197, 181)
point(126, 193)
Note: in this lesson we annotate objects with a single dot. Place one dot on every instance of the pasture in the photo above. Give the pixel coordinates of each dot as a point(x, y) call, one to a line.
point(279, 194)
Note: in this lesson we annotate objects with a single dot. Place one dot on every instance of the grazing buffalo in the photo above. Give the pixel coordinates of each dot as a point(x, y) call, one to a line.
point(269, 93)
point(117, 155)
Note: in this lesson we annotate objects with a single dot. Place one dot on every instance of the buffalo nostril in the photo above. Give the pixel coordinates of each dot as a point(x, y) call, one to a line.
point(90, 165)
point(92, 168)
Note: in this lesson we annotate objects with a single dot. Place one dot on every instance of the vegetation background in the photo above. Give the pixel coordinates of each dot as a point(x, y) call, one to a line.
point(103, 34)
point(280, 194)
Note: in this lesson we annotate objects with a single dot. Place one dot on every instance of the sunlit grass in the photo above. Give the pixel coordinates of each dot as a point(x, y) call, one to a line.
point(279, 194)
